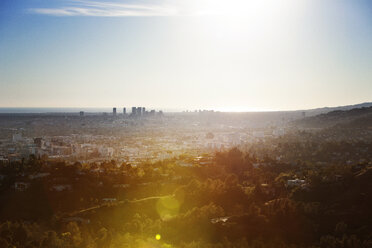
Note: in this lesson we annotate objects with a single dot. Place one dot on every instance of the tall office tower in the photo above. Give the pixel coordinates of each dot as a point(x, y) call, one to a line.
point(114, 111)
point(81, 113)
point(124, 111)
point(143, 110)
point(139, 111)
point(134, 110)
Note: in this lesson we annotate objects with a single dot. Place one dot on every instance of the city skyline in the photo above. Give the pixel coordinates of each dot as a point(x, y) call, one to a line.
point(5, 110)
point(226, 56)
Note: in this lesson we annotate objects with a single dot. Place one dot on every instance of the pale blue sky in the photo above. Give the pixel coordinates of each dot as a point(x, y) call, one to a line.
point(226, 55)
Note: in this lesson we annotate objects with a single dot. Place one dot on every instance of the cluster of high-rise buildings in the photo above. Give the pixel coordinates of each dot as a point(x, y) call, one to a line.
point(136, 112)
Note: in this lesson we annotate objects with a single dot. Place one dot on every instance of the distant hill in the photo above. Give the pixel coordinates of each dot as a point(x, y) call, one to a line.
point(352, 118)
point(317, 111)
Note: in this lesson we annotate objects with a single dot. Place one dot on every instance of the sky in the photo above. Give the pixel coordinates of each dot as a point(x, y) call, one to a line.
point(229, 55)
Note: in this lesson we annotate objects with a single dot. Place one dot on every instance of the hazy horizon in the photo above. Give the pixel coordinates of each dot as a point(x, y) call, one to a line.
point(30, 110)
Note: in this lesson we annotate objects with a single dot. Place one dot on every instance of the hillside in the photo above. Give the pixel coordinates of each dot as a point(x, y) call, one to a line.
point(318, 111)
point(354, 118)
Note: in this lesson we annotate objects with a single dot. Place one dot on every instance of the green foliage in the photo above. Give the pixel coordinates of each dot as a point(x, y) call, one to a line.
point(227, 203)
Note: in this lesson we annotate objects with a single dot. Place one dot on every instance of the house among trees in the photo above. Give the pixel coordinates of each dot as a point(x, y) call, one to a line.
point(21, 186)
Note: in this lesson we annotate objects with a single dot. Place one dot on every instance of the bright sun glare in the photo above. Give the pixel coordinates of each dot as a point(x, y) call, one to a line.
point(256, 9)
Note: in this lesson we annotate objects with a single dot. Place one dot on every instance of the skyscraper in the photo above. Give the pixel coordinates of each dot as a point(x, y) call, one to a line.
point(124, 111)
point(114, 111)
point(134, 110)
point(139, 111)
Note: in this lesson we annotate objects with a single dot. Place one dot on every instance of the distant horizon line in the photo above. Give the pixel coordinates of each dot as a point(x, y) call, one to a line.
point(30, 110)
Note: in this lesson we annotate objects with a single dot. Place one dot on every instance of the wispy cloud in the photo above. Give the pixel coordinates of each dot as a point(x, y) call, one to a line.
point(109, 9)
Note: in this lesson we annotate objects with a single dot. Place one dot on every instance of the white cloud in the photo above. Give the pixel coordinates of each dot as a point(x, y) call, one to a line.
point(162, 7)
point(109, 9)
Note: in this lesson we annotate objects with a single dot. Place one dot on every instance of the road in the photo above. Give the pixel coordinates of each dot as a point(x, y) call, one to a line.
point(76, 213)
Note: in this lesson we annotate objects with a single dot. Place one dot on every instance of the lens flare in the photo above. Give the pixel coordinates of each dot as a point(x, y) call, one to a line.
point(167, 207)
